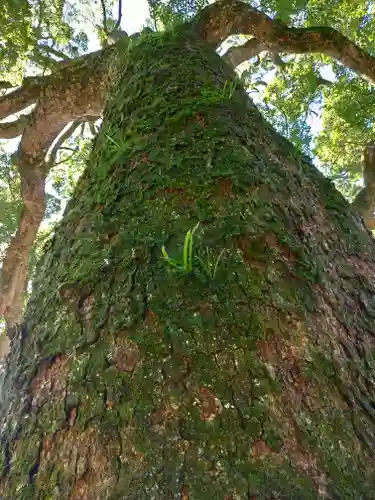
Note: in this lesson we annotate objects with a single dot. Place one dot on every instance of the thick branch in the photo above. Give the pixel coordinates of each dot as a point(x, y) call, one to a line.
point(5, 85)
point(75, 92)
point(224, 18)
point(81, 88)
point(19, 99)
point(10, 130)
point(14, 270)
point(85, 77)
point(60, 141)
point(237, 55)
point(364, 202)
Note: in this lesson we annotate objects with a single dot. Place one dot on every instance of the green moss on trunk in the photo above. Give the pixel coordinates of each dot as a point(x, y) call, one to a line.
point(137, 377)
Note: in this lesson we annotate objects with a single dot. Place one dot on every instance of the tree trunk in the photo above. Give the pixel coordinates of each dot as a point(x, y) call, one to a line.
point(238, 367)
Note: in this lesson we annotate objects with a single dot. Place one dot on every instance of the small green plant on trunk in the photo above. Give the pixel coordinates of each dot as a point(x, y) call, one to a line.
point(210, 266)
point(186, 263)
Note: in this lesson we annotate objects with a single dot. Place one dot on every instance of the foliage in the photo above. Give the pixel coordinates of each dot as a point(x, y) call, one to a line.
point(344, 124)
point(38, 22)
point(47, 31)
point(14, 44)
point(87, 20)
point(168, 13)
point(287, 100)
point(9, 200)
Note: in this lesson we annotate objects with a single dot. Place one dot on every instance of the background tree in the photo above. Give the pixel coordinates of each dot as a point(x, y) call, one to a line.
point(248, 387)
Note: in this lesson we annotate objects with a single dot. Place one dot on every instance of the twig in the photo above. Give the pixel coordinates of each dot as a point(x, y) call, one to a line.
point(105, 27)
point(119, 16)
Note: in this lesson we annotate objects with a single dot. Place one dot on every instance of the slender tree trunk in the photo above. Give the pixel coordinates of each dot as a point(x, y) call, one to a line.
point(242, 367)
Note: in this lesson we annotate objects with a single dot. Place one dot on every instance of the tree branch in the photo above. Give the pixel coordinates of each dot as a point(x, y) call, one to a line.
point(19, 99)
point(224, 18)
point(66, 133)
point(119, 16)
point(42, 60)
point(67, 148)
point(14, 271)
point(104, 12)
point(5, 85)
point(277, 60)
point(364, 202)
point(10, 130)
point(83, 77)
point(237, 55)
point(81, 87)
point(323, 81)
point(71, 94)
point(53, 51)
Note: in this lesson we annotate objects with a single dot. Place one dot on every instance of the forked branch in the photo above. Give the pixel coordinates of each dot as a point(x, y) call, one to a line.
point(224, 18)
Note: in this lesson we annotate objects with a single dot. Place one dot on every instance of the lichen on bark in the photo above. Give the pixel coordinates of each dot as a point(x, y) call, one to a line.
point(133, 379)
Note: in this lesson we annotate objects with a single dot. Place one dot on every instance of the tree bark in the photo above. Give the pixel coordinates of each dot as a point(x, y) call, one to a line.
point(244, 367)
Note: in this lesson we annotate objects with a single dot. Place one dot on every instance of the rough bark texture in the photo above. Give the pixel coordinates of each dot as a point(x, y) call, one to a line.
point(76, 91)
point(133, 379)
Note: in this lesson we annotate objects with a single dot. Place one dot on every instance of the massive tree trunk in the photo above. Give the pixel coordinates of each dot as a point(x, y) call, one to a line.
point(240, 368)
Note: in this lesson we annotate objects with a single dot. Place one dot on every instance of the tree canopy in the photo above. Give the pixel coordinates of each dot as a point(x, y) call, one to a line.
point(307, 64)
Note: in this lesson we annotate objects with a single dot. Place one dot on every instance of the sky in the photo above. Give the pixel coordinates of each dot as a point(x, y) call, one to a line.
point(134, 15)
